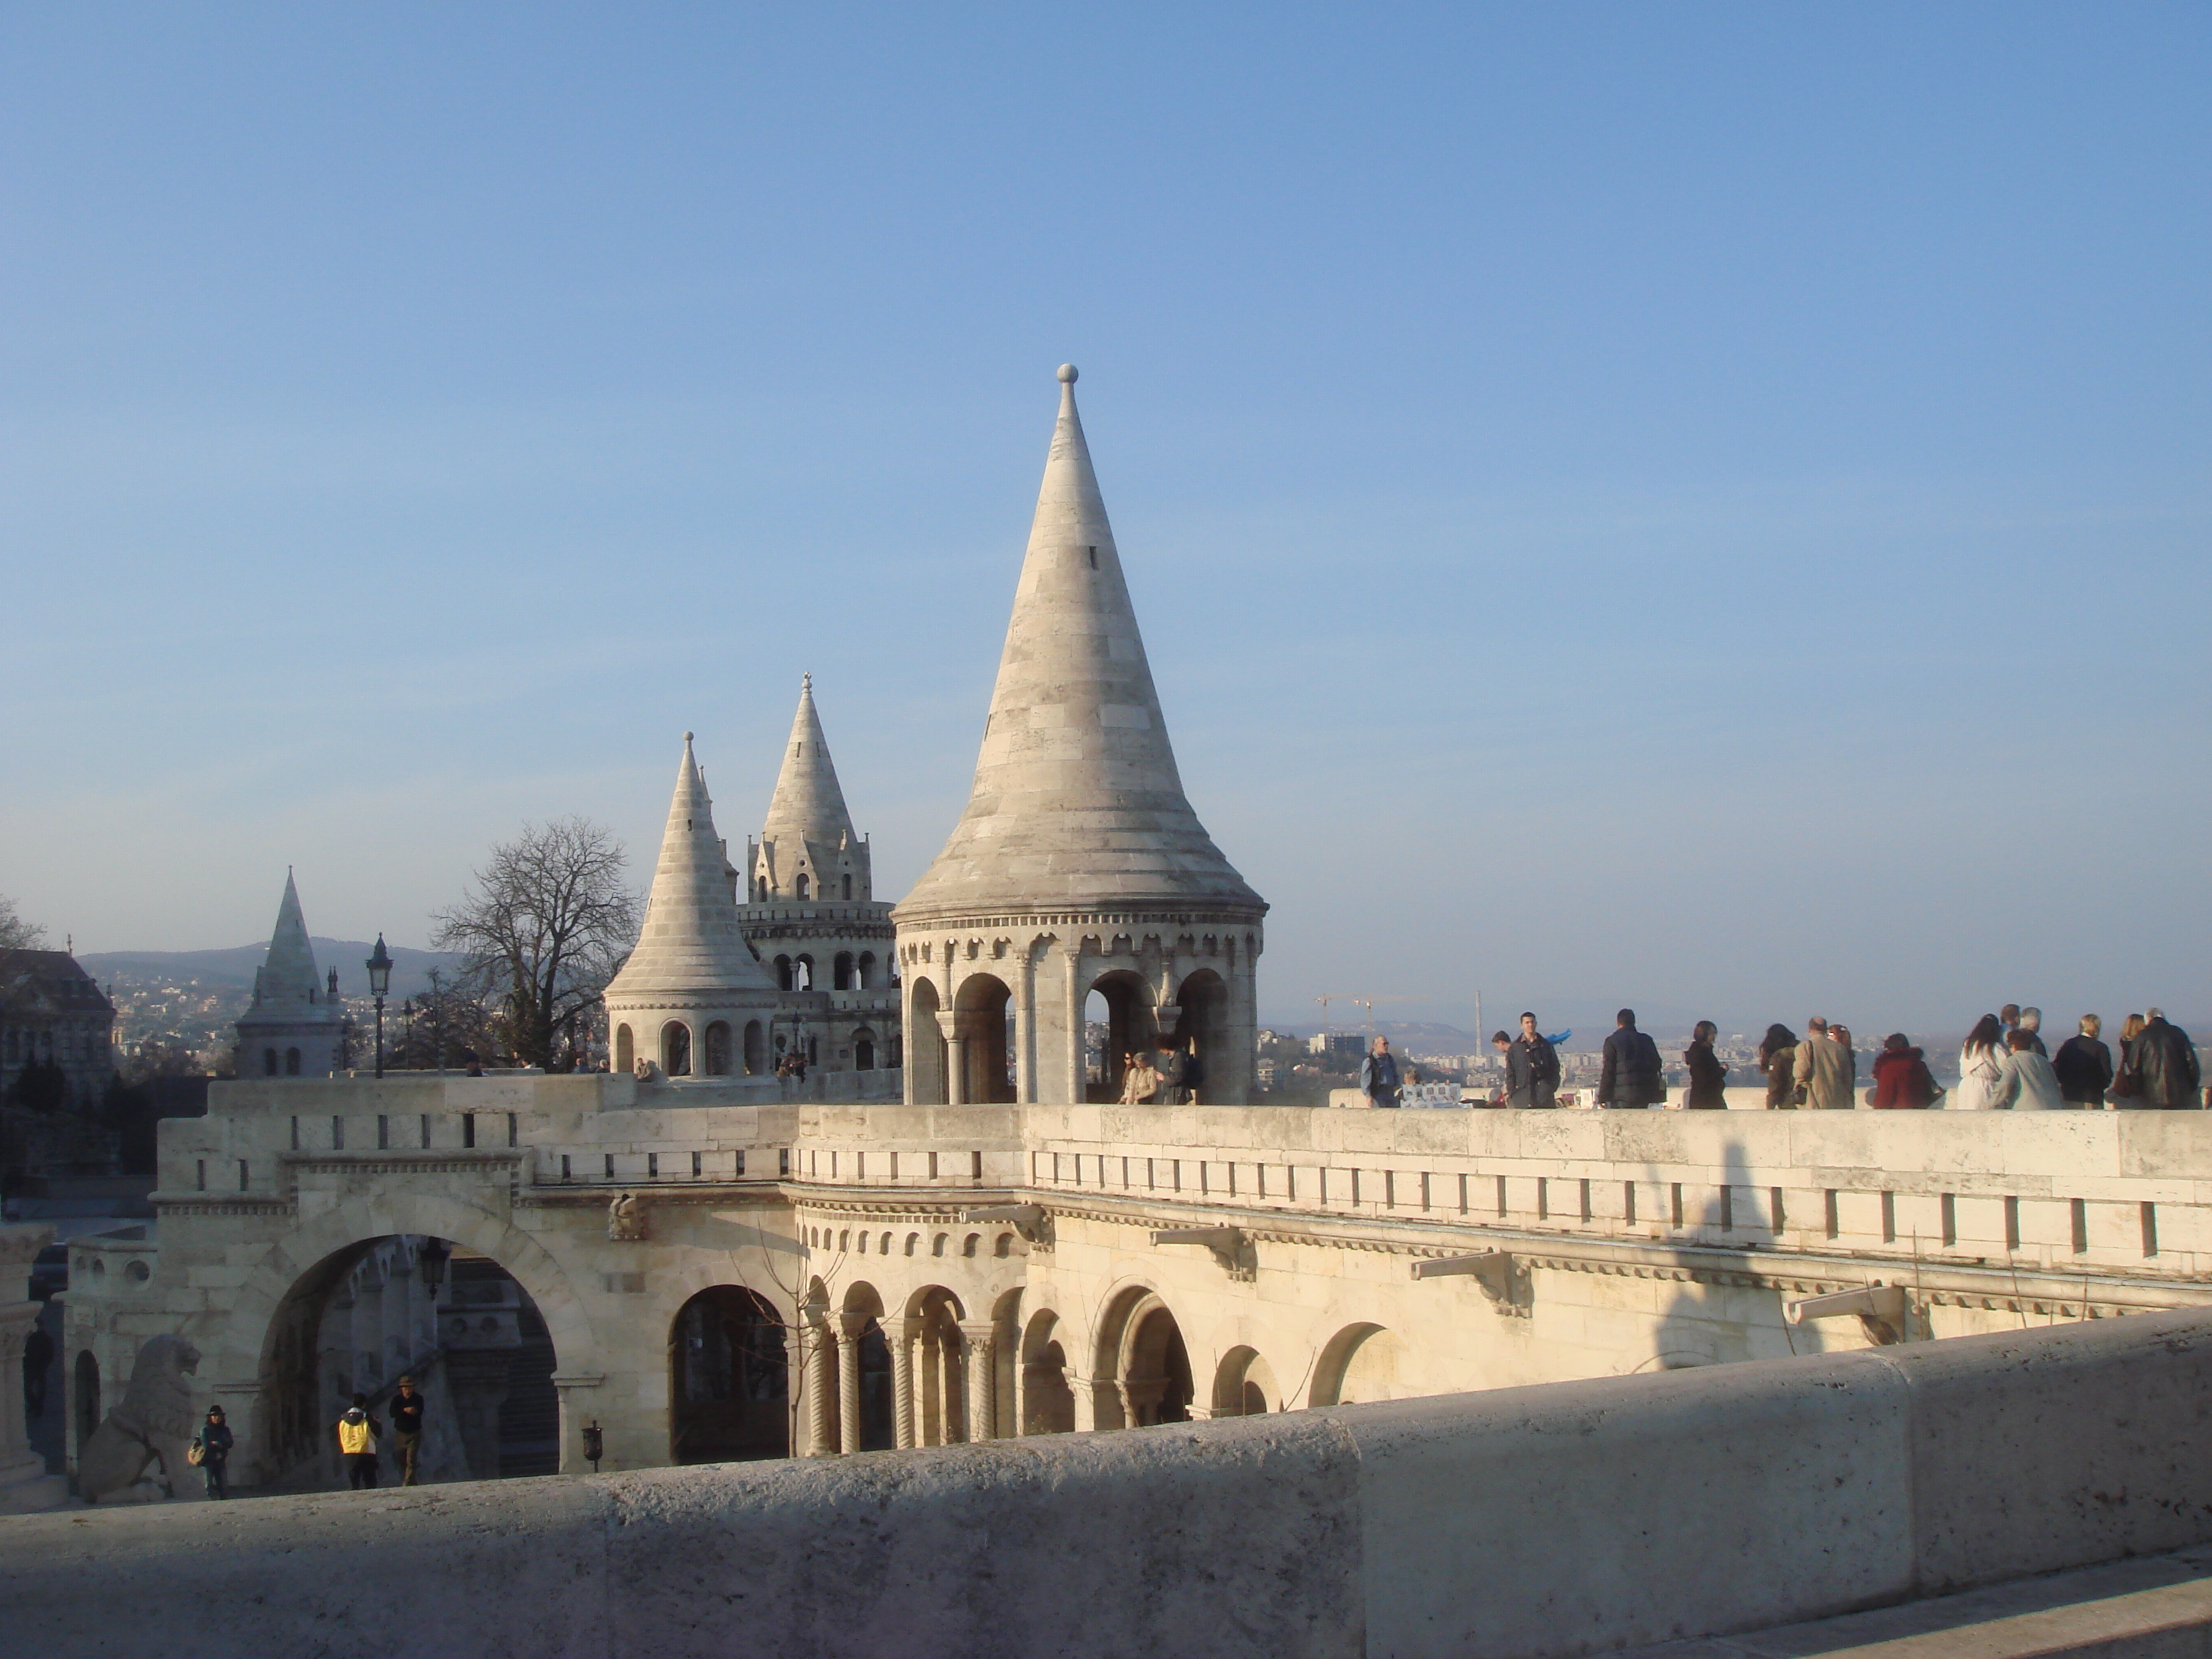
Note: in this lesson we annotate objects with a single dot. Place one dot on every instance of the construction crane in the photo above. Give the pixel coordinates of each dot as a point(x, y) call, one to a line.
point(1368, 1003)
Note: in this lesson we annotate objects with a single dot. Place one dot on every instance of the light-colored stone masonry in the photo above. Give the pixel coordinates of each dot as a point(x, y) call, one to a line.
point(1611, 1243)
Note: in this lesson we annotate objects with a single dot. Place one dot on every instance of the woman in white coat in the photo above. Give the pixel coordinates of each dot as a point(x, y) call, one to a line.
point(1980, 1066)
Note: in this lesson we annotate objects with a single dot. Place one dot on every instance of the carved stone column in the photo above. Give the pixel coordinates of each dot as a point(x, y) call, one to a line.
point(24, 1483)
point(956, 1068)
point(820, 1352)
point(850, 1327)
point(1072, 1010)
point(1025, 1029)
point(979, 1335)
point(909, 1333)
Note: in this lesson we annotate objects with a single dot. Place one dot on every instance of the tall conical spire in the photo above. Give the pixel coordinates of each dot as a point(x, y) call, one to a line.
point(690, 939)
point(288, 973)
point(1077, 800)
point(808, 805)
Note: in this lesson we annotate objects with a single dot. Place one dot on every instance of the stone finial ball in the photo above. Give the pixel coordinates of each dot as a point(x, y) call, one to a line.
point(1067, 374)
point(686, 737)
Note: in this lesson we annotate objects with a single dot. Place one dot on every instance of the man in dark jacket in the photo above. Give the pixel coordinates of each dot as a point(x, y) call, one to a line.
point(407, 1430)
point(2165, 1066)
point(1378, 1074)
point(1532, 1069)
point(2084, 1065)
point(1630, 1077)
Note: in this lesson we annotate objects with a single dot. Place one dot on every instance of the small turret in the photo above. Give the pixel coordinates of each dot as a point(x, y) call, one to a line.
point(808, 851)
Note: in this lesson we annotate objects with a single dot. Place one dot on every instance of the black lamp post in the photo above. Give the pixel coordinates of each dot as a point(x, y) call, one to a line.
point(432, 1258)
point(379, 983)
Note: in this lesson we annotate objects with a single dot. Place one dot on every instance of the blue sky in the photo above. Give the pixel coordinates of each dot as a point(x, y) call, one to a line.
point(1698, 506)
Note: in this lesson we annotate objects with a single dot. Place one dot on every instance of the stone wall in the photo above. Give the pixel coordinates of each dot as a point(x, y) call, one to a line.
point(1530, 1523)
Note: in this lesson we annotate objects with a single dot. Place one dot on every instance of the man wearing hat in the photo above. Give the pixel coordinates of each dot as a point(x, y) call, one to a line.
point(214, 1440)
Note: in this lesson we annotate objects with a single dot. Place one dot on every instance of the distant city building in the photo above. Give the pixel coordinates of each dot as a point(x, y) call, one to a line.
point(52, 1014)
point(1335, 1042)
point(295, 1025)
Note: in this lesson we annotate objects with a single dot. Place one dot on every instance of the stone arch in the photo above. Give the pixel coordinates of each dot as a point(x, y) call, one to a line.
point(1131, 1025)
point(1141, 1369)
point(729, 1378)
point(291, 1062)
point(802, 970)
point(1244, 1385)
point(1361, 1363)
point(717, 1054)
point(805, 887)
point(924, 1076)
point(314, 1256)
point(864, 1049)
point(675, 1048)
point(934, 1317)
point(841, 971)
point(1202, 1028)
point(755, 1049)
point(269, 1065)
point(625, 1048)
point(982, 1028)
point(783, 974)
point(863, 971)
point(1048, 1401)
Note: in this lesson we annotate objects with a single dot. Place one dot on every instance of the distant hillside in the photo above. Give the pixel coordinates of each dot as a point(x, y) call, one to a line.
point(232, 968)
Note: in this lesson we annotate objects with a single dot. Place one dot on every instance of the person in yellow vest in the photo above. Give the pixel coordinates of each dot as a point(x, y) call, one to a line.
point(357, 1436)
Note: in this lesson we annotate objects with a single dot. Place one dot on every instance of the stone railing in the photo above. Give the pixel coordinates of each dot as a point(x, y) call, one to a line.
point(1528, 1524)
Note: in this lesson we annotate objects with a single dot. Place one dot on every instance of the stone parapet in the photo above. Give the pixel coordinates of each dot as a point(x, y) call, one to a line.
point(1528, 1523)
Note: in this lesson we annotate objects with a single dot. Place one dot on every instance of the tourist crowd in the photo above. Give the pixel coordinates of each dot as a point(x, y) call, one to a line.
point(2004, 1065)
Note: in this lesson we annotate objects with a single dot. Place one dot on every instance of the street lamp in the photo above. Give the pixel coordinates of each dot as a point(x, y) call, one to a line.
point(379, 983)
point(432, 1258)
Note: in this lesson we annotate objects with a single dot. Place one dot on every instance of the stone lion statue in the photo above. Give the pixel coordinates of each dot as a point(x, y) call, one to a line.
point(149, 1429)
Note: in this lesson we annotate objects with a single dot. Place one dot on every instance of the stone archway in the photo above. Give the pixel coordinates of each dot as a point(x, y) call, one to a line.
point(729, 1379)
point(938, 1360)
point(1141, 1369)
point(981, 1039)
point(1202, 1029)
point(1048, 1401)
point(1131, 1026)
point(264, 1313)
point(1362, 1363)
point(1244, 1386)
point(675, 1048)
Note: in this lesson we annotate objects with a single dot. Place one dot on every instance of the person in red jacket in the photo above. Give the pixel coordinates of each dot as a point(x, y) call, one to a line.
point(1901, 1077)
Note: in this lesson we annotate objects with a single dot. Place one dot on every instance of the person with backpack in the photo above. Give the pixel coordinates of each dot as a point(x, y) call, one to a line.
point(210, 1450)
point(1630, 1077)
point(357, 1433)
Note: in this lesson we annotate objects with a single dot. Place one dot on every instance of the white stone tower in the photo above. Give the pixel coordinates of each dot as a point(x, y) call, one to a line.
point(1079, 866)
point(296, 1026)
point(691, 998)
point(810, 912)
point(807, 849)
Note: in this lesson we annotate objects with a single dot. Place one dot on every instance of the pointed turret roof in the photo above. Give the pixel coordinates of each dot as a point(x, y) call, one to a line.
point(288, 973)
point(808, 805)
point(690, 940)
point(1077, 800)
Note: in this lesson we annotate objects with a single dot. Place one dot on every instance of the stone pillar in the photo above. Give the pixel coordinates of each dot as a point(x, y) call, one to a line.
point(849, 1328)
point(956, 1067)
point(1071, 949)
point(952, 1427)
point(819, 1354)
point(981, 1334)
point(910, 1332)
point(1026, 1027)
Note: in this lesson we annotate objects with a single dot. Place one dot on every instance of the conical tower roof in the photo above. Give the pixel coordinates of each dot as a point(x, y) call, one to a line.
point(690, 942)
point(808, 804)
point(1077, 800)
point(288, 973)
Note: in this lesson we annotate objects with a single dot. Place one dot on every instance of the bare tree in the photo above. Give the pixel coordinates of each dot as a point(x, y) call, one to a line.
point(440, 1025)
point(544, 929)
point(15, 933)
